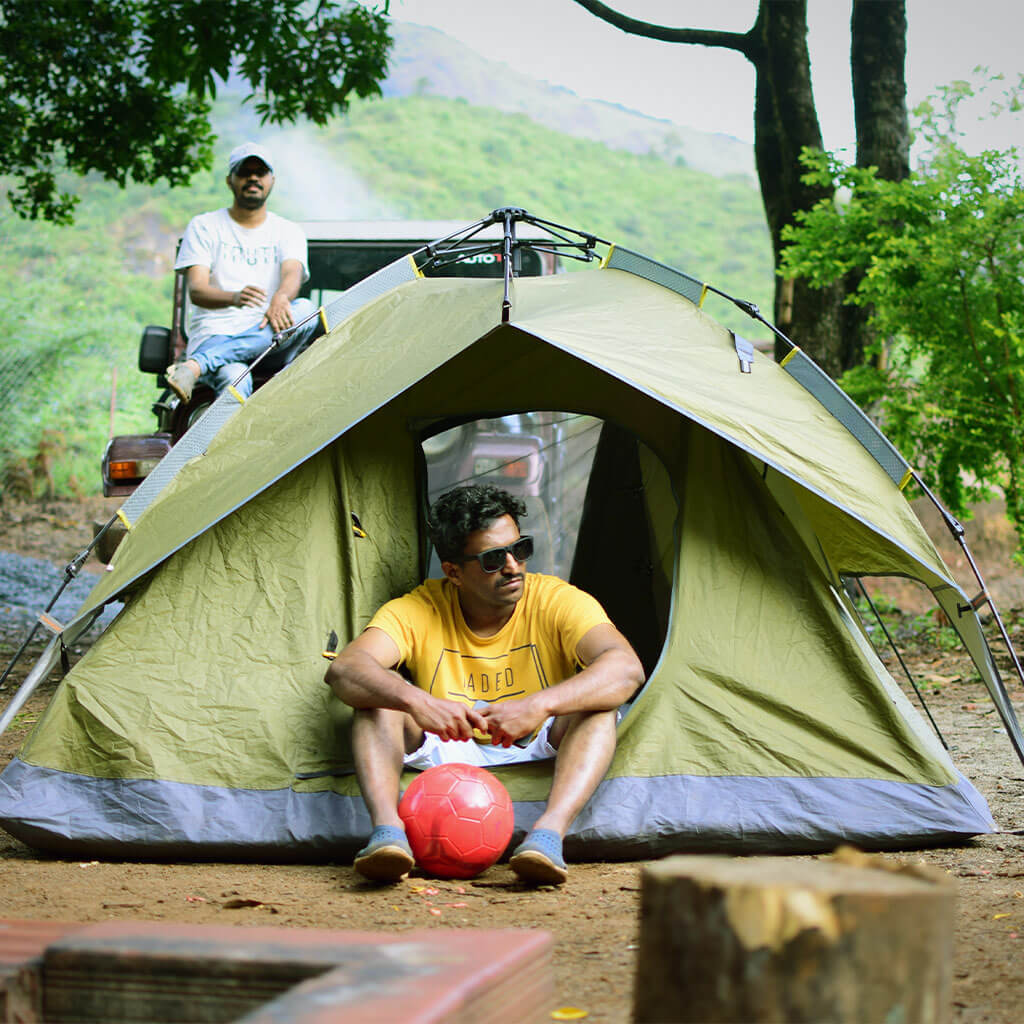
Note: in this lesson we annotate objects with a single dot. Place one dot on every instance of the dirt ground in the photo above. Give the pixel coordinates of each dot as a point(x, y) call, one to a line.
point(594, 918)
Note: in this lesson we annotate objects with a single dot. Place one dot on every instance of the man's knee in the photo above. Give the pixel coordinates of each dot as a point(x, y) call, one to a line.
point(596, 723)
point(386, 722)
point(232, 374)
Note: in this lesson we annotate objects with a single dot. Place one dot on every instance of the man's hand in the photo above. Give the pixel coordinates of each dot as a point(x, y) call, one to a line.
point(362, 675)
point(448, 719)
point(278, 314)
point(250, 295)
point(510, 720)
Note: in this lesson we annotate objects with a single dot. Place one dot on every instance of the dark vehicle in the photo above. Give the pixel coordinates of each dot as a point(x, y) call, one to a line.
point(341, 254)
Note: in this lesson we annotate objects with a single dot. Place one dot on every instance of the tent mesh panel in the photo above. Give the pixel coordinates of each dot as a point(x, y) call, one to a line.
point(804, 370)
point(194, 442)
point(394, 274)
point(199, 435)
point(642, 266)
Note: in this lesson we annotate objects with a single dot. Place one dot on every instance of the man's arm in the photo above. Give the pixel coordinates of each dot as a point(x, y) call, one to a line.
point(204, 294)
point(363, 676)
point(612, 675)
point(279, 312)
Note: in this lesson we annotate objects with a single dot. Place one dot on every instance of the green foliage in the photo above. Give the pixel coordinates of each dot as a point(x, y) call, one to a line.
point(76, 298)
point(943, 260)
point(930, 632)
point(122, 87)
point(73, 306)
point(428, 157)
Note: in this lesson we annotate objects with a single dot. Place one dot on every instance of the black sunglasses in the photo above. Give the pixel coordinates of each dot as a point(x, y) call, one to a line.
point(494, 559)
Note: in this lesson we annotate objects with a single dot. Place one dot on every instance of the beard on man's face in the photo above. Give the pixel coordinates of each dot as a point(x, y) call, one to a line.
point(250, 198)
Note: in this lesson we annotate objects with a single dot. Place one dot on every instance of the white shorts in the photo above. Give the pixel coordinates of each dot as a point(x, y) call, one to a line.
point(434, 751)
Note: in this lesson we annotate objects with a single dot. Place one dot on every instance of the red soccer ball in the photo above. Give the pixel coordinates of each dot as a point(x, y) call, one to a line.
point(459, 819)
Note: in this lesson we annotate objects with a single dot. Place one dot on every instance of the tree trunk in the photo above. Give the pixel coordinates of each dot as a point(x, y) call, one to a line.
point(766, 939)
point(878, 52)
point(785, 122)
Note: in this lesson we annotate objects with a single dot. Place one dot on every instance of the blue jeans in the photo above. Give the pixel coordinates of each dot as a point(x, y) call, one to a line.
point(222, 358)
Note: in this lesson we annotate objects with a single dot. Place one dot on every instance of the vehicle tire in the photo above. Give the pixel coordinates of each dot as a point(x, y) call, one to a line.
point(107, 544)
point(185, 415)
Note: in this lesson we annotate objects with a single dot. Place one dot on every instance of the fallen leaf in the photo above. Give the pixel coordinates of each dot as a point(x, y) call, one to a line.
point(569, 1013)
point(196, 899)
point(456, 904)
point(999, 917)
point(434, 911)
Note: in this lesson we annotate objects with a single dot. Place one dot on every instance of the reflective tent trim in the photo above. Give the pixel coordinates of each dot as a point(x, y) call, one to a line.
point(628, 818)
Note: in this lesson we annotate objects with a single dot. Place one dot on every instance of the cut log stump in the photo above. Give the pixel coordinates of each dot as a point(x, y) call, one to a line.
point(850, 939)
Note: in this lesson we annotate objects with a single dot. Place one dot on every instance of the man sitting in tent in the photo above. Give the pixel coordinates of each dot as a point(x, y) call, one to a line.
point(493, 652)
point(243, 267)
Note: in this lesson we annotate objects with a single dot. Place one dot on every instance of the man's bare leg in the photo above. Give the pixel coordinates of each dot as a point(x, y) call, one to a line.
point(380, 738)
point(586, 745)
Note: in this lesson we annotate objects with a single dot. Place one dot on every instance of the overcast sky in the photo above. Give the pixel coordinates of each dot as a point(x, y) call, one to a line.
point(712, 89)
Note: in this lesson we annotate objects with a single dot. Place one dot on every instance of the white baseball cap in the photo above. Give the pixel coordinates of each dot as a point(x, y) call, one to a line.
point(247, 149)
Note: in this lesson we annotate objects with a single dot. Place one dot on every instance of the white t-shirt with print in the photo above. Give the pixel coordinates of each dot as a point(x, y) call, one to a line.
point(237, 256)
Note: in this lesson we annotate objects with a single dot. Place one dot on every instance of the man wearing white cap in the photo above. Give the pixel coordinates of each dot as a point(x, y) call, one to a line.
point(243, 267)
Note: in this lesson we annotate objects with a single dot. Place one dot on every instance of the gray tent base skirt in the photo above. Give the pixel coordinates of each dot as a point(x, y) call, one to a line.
point(628, 818)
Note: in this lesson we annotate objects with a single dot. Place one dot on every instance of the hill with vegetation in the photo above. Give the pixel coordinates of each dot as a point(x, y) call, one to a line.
point(427, 62)
point(78, 297)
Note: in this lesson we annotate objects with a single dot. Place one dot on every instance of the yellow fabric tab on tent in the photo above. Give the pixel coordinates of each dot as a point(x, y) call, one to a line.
point(789, 355)
point(416, 270)
point(907, 477)
point(323, 319)
point(123, 518)
point(607, 256)
point(239, 397)
point(703, 296)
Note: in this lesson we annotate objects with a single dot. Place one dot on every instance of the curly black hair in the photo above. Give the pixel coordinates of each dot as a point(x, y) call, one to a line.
point(464, 510)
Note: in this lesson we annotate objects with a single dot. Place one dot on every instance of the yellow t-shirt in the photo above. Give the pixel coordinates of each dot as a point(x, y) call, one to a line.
point(535, 649)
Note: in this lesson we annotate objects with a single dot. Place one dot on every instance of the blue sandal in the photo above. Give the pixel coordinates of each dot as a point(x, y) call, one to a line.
point(387, 857)
point(538, 858)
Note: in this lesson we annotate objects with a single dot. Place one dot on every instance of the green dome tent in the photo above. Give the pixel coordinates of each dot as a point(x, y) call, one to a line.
point(722, 507)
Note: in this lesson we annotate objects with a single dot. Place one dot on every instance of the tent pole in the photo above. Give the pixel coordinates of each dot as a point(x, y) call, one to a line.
point(506, 302)
point(903, 664)
point(72, 569)
point(952, 524)
point(39, 672)
point(984, 597)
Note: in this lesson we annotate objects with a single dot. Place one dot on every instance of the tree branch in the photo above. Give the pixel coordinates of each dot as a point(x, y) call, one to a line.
point(743, 42)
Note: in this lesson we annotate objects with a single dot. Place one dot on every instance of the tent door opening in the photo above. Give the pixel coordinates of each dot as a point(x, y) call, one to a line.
point(599, 506)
